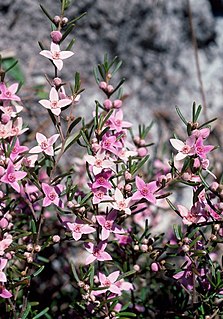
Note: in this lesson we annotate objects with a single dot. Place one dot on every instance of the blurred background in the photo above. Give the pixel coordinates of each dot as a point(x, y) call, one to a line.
point(154, 39)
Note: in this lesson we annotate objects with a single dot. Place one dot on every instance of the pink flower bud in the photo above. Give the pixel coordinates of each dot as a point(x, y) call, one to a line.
point(57, 81)
point(117, 104)
point(110, 88)
point(5, 118)
point(128, 187)
point(144, 248)
point(56, 20)
point(3, 223)
point(103, 85)
point(56, 239)
point(142, 151)
point(154, 267)
point(214, 186)
point(64, 20)
point(136, 267)
point(137, 139)
point(107, 104)
point(56, 36)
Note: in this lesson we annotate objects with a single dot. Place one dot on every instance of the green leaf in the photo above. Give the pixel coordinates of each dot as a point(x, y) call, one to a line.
point(181, 115)
point(78, 18)
point(47, 13)
point(177, 231)
point(73, 124)
point(43, 312)
point(11, 66)
point(126, 315)
point(38, 271)
point(27, 311)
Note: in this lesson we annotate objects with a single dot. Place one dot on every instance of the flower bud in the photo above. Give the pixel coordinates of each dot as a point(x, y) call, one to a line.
point(56, 20)
point(56, 36)
point(64, 21)
point(142, 151)
point(136, 247)
point(144, 248)
point(56, 239)
point(110, 88)
point(57, 82)
point(117, 104)
point(107, 104)
point(154, 267)
point(5, 118)
point(136, 268)
point(37, 248)
point(103, 85)
point(29, 247)
point(214, 186)
point(128, 188)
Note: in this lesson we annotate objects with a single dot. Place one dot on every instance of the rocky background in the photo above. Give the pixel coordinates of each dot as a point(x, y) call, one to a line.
point(152, 37)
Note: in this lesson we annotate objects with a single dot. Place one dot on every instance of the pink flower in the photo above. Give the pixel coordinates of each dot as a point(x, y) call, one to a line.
point(56, 55)
point(17, 128)
point(121, 203)
point(99, 162)
point(12, 177)
point(202, 150)
point(99, 195)
point(54, 104)
point(184, 149)
point(45, 144)
point(116, 121)
point(192, 216)
point(145, 190)
point(5, 129)
point(9, 93)
point(17, 149)
point(101, 180)
point(109, 282)
point(108, 225)
point(52, 195)
point(78, 229)
point(96, 252)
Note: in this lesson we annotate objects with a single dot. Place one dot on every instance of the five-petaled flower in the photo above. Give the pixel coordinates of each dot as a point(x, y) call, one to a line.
point(54, 104)
point(45, 144)
point(56, 55)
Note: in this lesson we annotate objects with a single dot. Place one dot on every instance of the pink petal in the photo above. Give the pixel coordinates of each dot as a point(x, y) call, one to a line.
point(66, 54)
point(20, 175)
point(115, 289)
point(56, 111)
point(114, 276)
point(13, 88)
point(3, 263)
point(40, 138)
point(2, 277)
point(53, 139)
point(90, 259)
point(64, 102)
point(54, 47)
point(105, 234)
point(101, 220)
point(139, 182)
point(177, 144)
point(45, 103)
point(102, 278)
point(104, 256)
point(58, 63)
point(47, 54)
point(16, 186)
point(5, 293)
point(89, 247)
point(118, 195)
point(88, 229)
point(76, 236)
point(46, 201)
point(54, 95)
point(137, 196)
point(49, 151)
point(35, 149)
point(180, 156)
